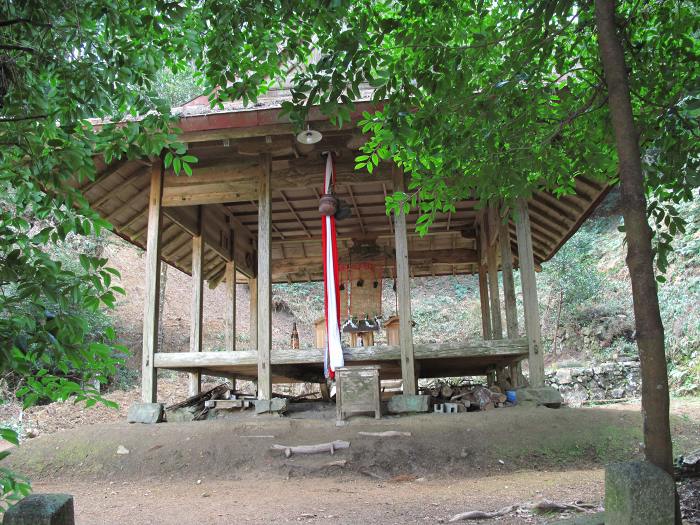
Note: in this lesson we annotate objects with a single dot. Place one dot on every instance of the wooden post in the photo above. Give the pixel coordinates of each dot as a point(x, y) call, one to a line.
point(483, 290)
point(195, 382)
point(230, 313)
point(149, 378)
point(508, 281)
point(253, 303)
point(492, 262)
point(529, 284)
point(515, 370)
point(403, 294)
point(264, 280)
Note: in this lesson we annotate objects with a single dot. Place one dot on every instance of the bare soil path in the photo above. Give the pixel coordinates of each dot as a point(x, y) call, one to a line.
point(314, 500)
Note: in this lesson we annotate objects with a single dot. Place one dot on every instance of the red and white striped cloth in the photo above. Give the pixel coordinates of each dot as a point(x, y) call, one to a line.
point(334, 351)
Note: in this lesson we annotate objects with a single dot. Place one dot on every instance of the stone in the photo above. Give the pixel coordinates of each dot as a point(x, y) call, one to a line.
point(42, 509)
point(638, 493)
point(536, 396)
point(564, 375)
point(122, 450)
point(145, 413)
point(405, 403)
point(617, 393)
point(574, 395)
point(179, 415)
point(276, 405)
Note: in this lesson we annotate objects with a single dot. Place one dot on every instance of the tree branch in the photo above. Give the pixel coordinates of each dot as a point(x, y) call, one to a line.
point(19, 119)
point(10, 47)
point(5, 23)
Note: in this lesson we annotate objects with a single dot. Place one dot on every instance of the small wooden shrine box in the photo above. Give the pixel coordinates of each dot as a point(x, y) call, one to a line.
point(392, 331)
point(358, 390)
point(320, 332)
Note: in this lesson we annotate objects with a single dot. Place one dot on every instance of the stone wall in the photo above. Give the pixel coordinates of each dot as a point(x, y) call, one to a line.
point(613, 380)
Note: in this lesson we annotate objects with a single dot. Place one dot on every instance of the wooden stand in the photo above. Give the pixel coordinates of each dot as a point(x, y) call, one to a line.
point(358, 390)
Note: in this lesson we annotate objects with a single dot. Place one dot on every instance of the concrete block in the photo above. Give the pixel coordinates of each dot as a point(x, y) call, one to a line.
point(145, 413)
point(538, 396)
point(638, 493)
point(42, 509)
point(276, 405)
point(404, 403)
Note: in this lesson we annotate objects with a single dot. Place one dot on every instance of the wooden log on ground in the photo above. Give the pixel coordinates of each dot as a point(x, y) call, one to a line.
point(313, 449)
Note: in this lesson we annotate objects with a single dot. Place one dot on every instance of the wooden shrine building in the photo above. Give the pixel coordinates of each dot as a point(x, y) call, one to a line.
point(249, 213)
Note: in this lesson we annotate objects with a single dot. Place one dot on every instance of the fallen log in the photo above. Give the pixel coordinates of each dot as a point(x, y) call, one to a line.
point(386, 433)
point(313, 449)
point(540, 506)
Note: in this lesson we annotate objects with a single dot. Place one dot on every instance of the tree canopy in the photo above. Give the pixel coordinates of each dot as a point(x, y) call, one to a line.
point(485, 100)
point(479, 100)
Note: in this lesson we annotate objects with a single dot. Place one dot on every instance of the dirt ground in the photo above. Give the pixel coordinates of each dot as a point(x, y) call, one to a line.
point(224, 471)
point(316, 500)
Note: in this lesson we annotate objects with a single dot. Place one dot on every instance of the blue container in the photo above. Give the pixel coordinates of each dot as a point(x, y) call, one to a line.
point(510, 396)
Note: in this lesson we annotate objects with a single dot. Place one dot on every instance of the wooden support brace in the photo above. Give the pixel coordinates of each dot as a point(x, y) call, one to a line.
point(483, 290)
point(230, 313)
point(529, 286)
point(508, 282)
point(253, 305)
point(492, 261)
point(403, 293)
point(264, 281)
point(149, 391)
point(195, 378)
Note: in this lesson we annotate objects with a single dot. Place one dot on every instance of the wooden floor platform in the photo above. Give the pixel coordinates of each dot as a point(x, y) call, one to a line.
point(288, 365)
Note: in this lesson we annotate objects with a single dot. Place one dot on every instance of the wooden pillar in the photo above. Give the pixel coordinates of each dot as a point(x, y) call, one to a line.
point(483, 289)
point(403, 294)
point(253, 303)
point(230, 313)
point(264, 281)
point(527, 277)
point(492, 267)
point(514, 370)
point(508, 282)
point(195, 378)
point(149, 391)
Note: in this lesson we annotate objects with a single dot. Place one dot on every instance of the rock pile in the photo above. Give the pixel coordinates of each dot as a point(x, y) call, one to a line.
point(613, 380)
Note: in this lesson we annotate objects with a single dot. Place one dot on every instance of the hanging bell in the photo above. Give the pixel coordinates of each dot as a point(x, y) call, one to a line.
point(328, 204)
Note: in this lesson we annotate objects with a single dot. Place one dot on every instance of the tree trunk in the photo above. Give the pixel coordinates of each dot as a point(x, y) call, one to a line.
point(640, 258)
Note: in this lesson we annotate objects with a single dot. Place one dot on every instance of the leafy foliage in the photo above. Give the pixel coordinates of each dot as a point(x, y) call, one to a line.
point(488, 101)
point(62, 65)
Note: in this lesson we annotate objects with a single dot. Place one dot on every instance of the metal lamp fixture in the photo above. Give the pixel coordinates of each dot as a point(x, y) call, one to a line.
point(309, 136)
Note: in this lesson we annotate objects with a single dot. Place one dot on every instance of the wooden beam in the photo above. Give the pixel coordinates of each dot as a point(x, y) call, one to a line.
point(253, 303)
point(492, 268)
point(230, 312)
point(238, 181)
point(218, 223)
point(508, 281)
point(529, 286)
point(149, 390)
point(264, 281)
point(195, 379)
point(417, 257)
point(403, 292)
point(516, 348)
